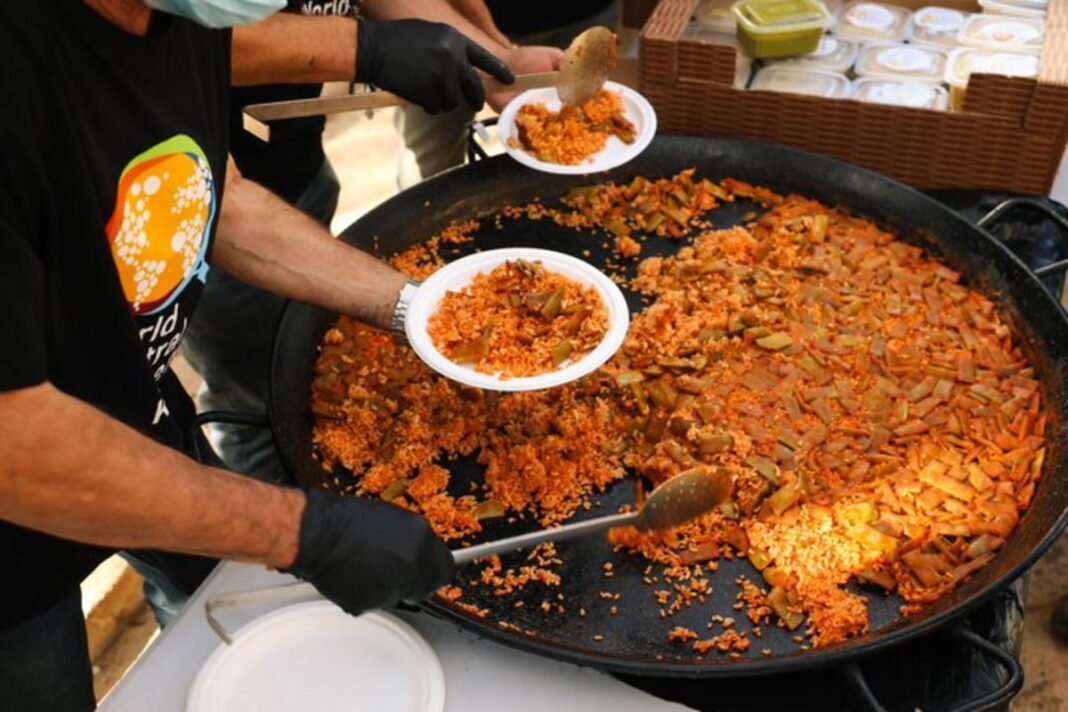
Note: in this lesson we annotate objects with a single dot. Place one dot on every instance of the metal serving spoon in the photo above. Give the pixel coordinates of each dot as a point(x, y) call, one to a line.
point(588, 61)
point(677, 501)
point(684, 497)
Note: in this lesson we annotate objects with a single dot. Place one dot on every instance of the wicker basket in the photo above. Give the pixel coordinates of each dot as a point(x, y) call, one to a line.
point(1010, 135)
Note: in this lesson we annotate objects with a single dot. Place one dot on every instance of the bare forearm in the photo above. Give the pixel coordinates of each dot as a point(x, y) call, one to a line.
point(479, 14)
point(74, 472)
point(433, 11)
point(266, 243)
point(288, 48)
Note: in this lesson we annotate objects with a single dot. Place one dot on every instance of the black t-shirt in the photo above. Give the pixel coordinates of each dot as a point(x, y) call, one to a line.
point(515, 17)
point(112, 161)
point(286, 164)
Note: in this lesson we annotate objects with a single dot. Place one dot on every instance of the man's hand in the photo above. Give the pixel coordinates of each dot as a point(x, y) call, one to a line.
point(364, 554)
point(527, 60)
point(429, 64)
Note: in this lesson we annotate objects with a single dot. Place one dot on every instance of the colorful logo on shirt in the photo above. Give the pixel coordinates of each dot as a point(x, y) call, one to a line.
point(159, 229)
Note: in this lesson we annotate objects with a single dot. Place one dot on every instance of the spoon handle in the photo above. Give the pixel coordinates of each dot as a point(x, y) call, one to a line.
point(257, 117)
point(301, 590)
point(523, 82)
point(542, 536)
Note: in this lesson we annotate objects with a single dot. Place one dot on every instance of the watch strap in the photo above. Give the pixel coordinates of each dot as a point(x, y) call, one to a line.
point(400, 312)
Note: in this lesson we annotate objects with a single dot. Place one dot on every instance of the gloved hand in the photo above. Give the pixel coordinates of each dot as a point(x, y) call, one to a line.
point(429, 64)
point(364, 554)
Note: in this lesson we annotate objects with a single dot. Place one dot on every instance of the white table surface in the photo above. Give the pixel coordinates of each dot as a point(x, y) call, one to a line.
point(479, 674)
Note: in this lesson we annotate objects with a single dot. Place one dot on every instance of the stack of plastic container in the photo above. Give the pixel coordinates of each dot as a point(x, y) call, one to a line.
point(1003, 44)
point(902, 75)
point(763, 29)
point(714, 24)
point(873, 23)
point(936, 27)
point(874, 51)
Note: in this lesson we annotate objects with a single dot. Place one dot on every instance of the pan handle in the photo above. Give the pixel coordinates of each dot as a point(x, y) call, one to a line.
point(275, 595)
point(1013, 683)
point(1005, 206)
point(993, 699)
point(476, 135)
point(256, 420)
point(286, 593)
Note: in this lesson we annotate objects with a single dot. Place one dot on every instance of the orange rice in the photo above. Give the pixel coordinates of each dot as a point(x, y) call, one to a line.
point(574, 133)
point(883, 424)
point(669, 207)
point(727, 642)
point(519, 320)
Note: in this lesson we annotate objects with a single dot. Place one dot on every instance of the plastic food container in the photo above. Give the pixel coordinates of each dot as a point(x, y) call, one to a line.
point(910, 93)
point(796, 80)
point(936, 26)
point(966, 61)
point(1018, 8)
point(834, 7)
point(716, 16)
point(902, 62)
point(743, 65)
point(780, 28)
point(833, 54)
point(1003, 32)
point(867, 22)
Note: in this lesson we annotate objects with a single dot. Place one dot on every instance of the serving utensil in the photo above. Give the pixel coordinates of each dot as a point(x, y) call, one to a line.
point(682, 498)
point(588, 61)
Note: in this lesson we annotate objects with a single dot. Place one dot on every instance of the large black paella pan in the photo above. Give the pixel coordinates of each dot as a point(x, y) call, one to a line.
point(634, 640)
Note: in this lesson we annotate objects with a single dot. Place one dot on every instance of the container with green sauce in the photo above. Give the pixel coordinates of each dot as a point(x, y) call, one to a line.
point(780, 28)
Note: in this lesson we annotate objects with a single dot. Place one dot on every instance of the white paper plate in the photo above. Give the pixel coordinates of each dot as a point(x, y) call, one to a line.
point(615, 153)
point(456, 275)
point(314, 657)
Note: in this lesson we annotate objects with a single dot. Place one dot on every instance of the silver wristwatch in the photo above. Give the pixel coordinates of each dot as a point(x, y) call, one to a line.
point(400, 312)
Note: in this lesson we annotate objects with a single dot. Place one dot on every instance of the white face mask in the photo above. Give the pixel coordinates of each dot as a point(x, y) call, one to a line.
point(219, 13)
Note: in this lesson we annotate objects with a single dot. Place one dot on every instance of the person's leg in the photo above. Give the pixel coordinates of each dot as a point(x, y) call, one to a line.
point(229, 344)
point(44, 662)
point(319, 199)
point(170, 579)
point(432, 142)
point(1059, 620)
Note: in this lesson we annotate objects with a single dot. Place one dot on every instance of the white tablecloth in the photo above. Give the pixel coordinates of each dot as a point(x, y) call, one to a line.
point(478, 673)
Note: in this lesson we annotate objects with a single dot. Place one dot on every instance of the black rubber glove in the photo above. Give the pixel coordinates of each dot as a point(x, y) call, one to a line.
point(427, 63)
point(364, 554)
